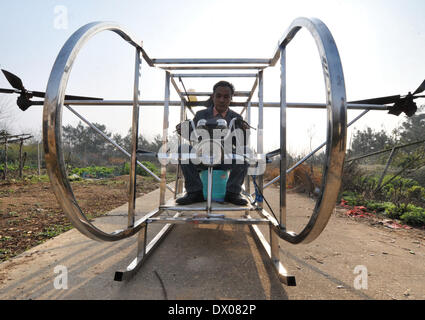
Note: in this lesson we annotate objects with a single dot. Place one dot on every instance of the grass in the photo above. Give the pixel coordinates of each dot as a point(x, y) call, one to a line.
point(55, 230)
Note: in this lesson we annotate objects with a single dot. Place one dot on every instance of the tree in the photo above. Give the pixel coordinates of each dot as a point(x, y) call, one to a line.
point(83, 146)
point(413, 128)
point(6, 113)
point(86, 144)
point(368, 141)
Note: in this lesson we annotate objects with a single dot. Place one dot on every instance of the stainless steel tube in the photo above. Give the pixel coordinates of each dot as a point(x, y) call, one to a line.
point(134, 140)
point(52, 129)
point(336, 132)
point(296, 105)
point(210, 61)
point(282, 168)
point(260, 128)
point(163, 183)
point(214, 75)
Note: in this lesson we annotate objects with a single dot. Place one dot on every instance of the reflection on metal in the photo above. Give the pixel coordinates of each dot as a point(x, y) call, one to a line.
point(282, 167)
point(336, 106)
point(134, 140)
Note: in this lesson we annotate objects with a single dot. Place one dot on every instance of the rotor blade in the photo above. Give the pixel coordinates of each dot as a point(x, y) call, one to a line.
point(14, 81)
point(9, 90)
point(69, 97)
point(420, 88)
point(380, 100)
point(37, 94)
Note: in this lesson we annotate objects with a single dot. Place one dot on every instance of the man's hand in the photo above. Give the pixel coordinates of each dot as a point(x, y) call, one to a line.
point(188, 128)
point(179, 128)
point(241, 124)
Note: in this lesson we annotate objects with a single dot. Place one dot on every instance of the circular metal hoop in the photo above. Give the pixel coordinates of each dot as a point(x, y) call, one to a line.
point(336, 105)
point(52, 130)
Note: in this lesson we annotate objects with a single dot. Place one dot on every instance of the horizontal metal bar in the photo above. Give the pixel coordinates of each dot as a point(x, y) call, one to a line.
point(211, 220)
point(211, 61)
point(386, 150)
point(214, 75)
point(214, 68)
point(236, 94)
point(298, 105)
point(218, 209)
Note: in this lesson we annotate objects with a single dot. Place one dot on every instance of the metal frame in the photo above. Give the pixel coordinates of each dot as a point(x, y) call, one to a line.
point(336, 106)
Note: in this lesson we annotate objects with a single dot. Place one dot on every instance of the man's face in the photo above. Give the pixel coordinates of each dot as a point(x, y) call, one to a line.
point(222, 98)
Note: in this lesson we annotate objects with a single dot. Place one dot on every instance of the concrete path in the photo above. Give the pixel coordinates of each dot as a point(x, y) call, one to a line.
point(193, 262)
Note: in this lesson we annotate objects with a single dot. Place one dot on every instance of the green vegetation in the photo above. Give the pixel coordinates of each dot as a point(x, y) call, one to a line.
point(399, 198)
point(53, 231)
point(96, 172)
point(99, 172)
point(140, 170)
point(401, 193)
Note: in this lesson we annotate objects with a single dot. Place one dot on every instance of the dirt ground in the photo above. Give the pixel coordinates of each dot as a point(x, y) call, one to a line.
point(30, 213)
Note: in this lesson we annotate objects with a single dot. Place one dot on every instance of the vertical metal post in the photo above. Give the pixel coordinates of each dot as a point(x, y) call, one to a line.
point(134, 140)
point(386, 167)
point(164, 138)
point(141, 242)
point(282, 137)
point(260, 149)
point(38, 157)
point(5, 159)
point(21, 165)
point(179, 184)
point(209, 190)
point(248, 143)
point(274, 248)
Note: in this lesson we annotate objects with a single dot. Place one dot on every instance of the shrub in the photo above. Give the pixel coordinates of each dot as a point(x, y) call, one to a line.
point(414, 216)
point(416, 193)
point(395, 212)
point(94, 172)
point(353, 199)
point(139, 170)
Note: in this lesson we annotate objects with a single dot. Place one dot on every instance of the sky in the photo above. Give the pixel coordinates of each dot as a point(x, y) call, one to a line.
point(381, 44)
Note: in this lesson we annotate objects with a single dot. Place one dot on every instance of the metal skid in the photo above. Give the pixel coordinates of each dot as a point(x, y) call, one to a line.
point(208, 212)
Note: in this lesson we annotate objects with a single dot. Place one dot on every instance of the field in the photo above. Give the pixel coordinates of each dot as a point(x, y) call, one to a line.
point(30, 213)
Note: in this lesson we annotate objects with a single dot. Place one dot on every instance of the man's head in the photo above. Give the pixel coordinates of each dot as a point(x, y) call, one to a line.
point(222, 95)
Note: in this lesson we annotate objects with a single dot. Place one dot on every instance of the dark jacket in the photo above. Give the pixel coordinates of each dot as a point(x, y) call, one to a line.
point(209, 114)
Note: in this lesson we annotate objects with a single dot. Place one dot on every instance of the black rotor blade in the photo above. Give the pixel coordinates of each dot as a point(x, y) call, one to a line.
point(37, 94)
point(14, 81)
point(420, 88)
point(8, 90)
point(69, 97)
point(380, 100)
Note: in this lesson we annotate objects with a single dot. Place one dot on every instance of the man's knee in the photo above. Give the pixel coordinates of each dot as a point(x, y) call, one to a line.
point(184, 153)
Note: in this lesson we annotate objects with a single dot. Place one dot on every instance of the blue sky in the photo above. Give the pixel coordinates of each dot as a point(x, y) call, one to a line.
point(381, 44)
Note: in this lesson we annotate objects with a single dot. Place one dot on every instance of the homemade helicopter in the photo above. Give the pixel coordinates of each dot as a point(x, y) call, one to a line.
point(209, 212)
